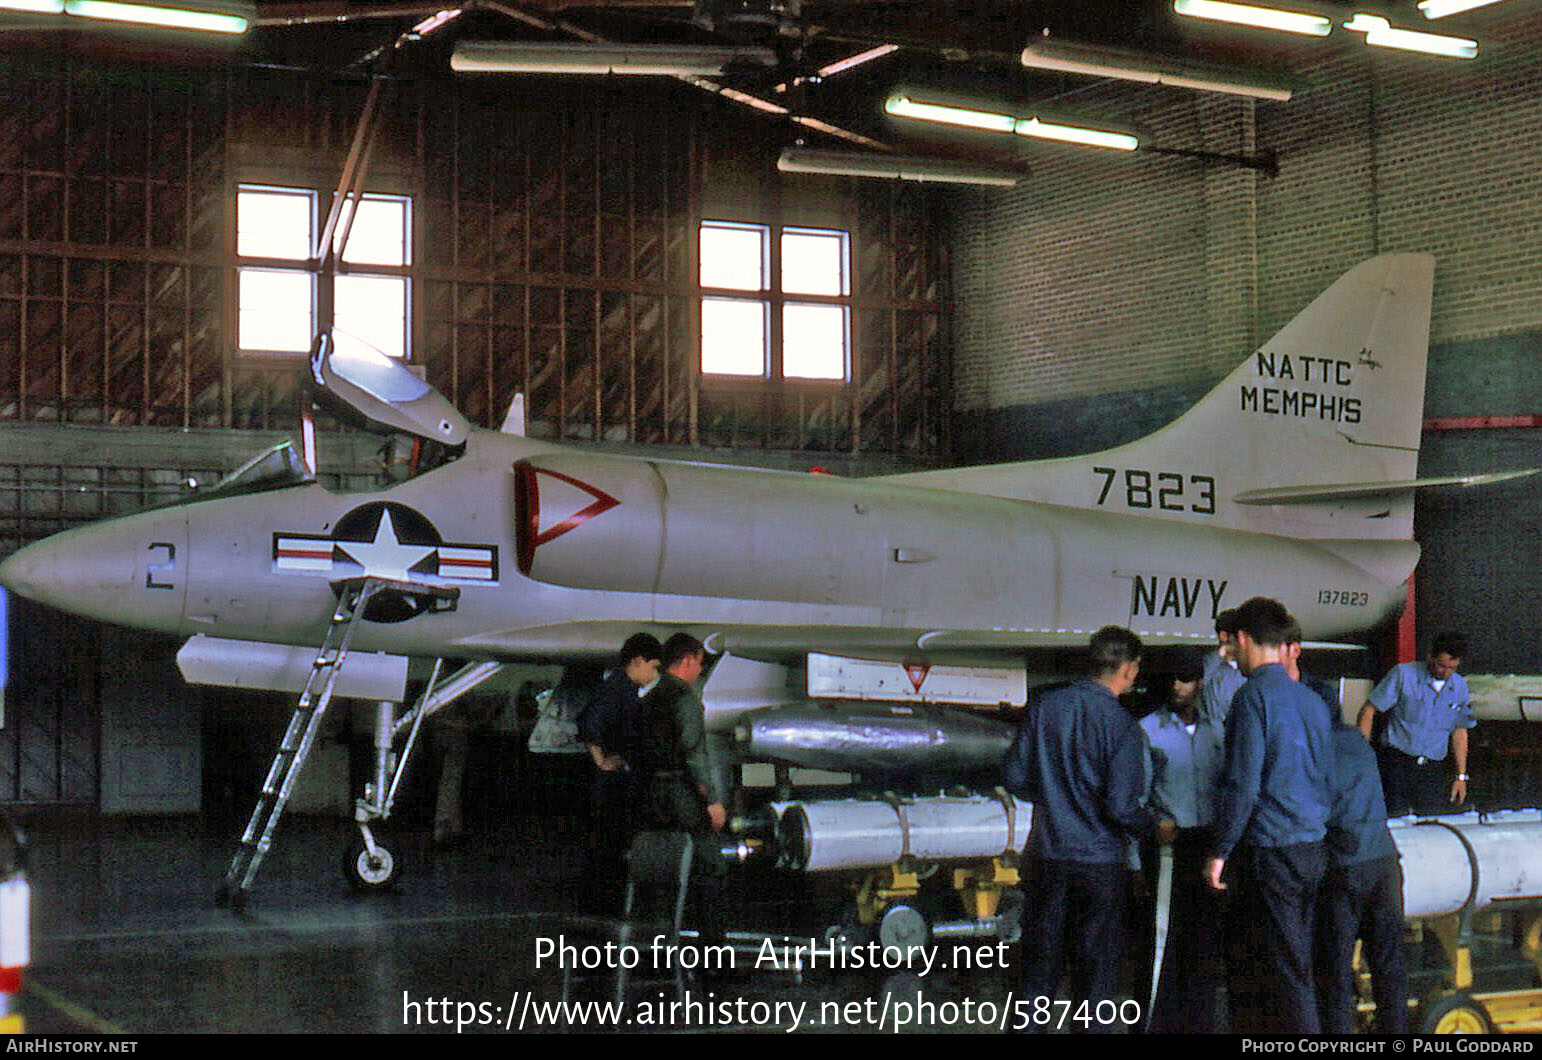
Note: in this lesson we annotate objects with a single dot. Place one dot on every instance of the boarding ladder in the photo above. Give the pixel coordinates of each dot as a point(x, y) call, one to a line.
point(353, 597)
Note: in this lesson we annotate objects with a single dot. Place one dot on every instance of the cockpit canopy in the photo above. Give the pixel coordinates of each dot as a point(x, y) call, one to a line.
point(271, 469)
point(385, 392)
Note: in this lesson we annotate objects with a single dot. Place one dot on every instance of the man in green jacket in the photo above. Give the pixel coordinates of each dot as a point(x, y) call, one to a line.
point(679, 782)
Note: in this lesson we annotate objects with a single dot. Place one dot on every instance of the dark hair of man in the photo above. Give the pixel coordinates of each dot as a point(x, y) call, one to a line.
point(1452, 644)
point(1266, 621)
point(1187, 665)
point(680, 646)
point(1110, 648)
point(1226, 621)
point(1293, 634)
point(643, 646)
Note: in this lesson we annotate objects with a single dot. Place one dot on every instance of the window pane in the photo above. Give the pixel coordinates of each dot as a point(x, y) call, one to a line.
point(814, 341)
point(733, 337)
point(274, 224)
point(379, 235)
point(276, 310)
point(733, 256)
point(814, 262)
point(370, 311)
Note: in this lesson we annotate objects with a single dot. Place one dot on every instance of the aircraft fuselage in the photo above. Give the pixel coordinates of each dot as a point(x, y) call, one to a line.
point(544, 542)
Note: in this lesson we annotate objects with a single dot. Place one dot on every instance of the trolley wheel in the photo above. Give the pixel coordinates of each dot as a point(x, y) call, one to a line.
point(1454, 1014)
point(371, 874)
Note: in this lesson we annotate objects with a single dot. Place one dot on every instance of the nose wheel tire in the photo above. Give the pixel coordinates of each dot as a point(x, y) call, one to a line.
point(371, 873)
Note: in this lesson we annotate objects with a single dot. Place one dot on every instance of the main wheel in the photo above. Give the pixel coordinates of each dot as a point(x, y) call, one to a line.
point(1454, 1014)
point(371, 874)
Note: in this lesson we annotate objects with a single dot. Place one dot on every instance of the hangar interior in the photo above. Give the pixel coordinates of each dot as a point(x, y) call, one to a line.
point(551, 248)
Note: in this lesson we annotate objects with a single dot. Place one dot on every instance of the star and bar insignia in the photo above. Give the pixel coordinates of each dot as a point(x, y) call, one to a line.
point(385, 540)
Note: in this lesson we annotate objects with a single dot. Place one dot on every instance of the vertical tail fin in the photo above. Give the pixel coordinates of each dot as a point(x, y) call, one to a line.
point(1327, 414)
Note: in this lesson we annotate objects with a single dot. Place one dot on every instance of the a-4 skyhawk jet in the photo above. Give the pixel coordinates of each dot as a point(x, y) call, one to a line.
point(1293, 478)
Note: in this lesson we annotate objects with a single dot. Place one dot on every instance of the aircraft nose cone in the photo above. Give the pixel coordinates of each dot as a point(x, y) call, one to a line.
point(28, 572)
point(110, 571)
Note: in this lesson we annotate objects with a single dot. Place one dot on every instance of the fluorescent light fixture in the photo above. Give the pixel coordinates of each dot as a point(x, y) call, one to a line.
point(643, 59)
point(210, 18)
point(433, 22)
point(1381, 34)
point(1442, 8)
point(896, 167)
point(840, 66)
point(1075, 134)
point(34, 7)
point(1259, 17)
point(905, 107)
point(1150, 70)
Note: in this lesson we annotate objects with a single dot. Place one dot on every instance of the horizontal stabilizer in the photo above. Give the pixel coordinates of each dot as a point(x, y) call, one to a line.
point(1343, 490)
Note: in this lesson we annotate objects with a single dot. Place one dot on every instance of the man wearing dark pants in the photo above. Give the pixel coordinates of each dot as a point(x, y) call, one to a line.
point(1362, 896)
point(1186, 764)
point(679, 781)
point(1080, 759)
point(1428, 711)
point(608, 726)
point(1270, 825)
point(1362, 893)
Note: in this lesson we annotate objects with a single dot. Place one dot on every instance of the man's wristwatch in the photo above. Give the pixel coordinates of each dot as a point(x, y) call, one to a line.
point(1462, 777)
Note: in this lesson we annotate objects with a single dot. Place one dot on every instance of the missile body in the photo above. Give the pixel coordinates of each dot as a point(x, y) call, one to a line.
point(1482, 858)
point(875, 739)
point(834, 834)
point(1448, 862)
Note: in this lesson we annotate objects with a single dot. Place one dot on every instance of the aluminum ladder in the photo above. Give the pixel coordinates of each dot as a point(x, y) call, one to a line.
point(353, 596)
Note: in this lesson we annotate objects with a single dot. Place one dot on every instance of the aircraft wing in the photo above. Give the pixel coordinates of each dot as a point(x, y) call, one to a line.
point(782, 644)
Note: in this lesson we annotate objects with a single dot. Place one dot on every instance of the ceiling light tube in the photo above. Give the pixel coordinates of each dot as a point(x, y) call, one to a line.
point(1075, 134)
point(211, 21)
point(433, 22)
point(1442, 8)
point(1258, 17)
point(34, 7)
point(1381, 34)
point(840, 66)
point(641, 59)
point(896, 167)
point(905, 107)
point(1150, 70)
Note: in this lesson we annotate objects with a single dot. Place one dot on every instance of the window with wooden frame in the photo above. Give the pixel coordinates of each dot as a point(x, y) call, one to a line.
point(775, 302)
point(280, 283)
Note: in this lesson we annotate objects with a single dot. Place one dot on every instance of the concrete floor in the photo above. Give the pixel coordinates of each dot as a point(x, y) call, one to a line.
point(127, 938)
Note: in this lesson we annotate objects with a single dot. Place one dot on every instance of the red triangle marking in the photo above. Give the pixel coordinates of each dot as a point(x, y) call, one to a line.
point(603, 502)
point(917, 674)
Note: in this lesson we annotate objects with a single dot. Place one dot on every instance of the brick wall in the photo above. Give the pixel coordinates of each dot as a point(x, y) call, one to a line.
point(1112, 274)
point(1104, 295)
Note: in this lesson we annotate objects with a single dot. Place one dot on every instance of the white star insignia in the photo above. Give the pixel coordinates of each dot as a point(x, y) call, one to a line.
point(386, 557)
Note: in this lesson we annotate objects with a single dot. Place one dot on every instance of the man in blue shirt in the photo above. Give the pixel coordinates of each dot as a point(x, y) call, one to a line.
point(1427, 710)
point(1186, 760)
point(1080, 758)
point(1362, 893)
point(1270, 824)
point(1222, 678)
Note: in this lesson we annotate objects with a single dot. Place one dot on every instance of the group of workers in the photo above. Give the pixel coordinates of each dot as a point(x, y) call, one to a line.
point(645, 730)
point(1274, 811)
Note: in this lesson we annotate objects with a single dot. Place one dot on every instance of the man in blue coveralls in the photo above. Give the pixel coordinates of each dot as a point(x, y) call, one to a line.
point(608, 726)
point(1362, 892)
point(1427, 710)
point(1276, 794)
point(1080, 758)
